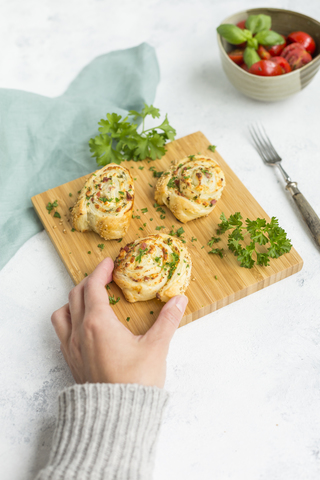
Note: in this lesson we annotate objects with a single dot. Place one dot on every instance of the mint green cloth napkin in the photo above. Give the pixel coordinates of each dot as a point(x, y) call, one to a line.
point(44, 141)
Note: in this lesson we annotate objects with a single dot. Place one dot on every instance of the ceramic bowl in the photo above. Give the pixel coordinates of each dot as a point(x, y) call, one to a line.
point(271, 89)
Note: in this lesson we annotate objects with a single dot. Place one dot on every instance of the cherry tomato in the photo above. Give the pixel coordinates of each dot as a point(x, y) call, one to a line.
point(266, 68)
point(244, 67)
point(263, 53)
point(242, 24)
point(306, 41)
point(275, 50)
point(236, 56)
point(296, 55)
point(283, 64)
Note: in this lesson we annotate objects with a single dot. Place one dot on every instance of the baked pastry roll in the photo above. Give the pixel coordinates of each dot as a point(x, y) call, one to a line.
point(155, 266)
point(192, 188)
point(105, 203)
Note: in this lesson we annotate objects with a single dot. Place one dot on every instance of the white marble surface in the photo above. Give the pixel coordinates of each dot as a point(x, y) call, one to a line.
point(245, 380)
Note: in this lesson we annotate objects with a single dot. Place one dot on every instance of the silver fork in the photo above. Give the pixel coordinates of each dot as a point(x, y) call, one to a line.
point(271, 157)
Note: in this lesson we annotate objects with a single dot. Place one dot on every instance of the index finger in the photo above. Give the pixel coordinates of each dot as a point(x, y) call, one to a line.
point(95, 293)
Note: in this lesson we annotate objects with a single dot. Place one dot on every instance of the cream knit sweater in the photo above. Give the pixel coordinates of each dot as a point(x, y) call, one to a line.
point(106, 432)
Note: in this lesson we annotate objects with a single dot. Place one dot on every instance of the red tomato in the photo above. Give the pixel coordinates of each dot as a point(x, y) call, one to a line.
point(242, 24)
point(306, 41)
point(236, 56)
point(244, 67)
point(283, 64)
point(265, 68)
point(263, 53)
point(275, 50)
point(296, 55)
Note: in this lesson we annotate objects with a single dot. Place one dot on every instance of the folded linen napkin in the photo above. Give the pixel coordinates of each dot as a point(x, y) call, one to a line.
point(44, 141)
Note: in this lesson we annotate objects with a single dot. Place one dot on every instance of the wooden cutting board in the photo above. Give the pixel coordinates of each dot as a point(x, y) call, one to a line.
point(216, 281)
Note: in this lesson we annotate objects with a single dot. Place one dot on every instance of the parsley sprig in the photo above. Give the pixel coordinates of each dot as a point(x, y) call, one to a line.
point(119, 139)
point(260, 232)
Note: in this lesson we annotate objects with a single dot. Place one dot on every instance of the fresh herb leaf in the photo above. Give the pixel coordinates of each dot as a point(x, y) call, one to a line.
point(213, 240)
point(101, 246)
point(57, 215)
point(212, 148)
point(119, 139)
point(218, 251)
point(160, 227)
point(144, 210)
point(112, 300)
point(171, 183)
point(260, 232)
point(51, 206)
point(140, 254)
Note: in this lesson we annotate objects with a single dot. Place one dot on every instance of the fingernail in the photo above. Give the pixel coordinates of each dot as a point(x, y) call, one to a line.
point(181, 303)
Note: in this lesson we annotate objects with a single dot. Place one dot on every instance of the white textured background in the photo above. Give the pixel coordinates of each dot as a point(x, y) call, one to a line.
point(245, 380)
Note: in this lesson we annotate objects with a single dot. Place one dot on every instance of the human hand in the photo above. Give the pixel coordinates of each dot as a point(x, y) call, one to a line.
point(99, 349)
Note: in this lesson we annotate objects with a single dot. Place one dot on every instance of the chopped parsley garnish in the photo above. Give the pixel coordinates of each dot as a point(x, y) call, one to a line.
point(140, 254)
point(160, 209)
point(112, 300)
point(57, 215)
point(156, 205)
point(150, 219)
point(217, 251)
point(173, 264)
point(213, 240)
point(216, 277)
point(160, 227)
point(89, 252)
point(171, 183)
point(150, 185)
point(85, 274)
point(141, 168)
point(51, 206)
point(151, 313)
point(121, 193)
point(101, 246)
point(70, 194)
point(73, 230)
point(120, 240)
point(127, 319)
point(157, 174)
point(117, 200)
point(144, 210)
point(212, 148)
point(162, 217)
point(192, 157)
point(157, 259)
point(193, 239)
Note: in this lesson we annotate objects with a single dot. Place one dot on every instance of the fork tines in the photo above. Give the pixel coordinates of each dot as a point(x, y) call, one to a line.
point(262, 142)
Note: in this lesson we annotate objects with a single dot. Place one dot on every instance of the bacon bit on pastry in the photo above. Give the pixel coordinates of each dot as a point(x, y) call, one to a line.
point(143, 245)
point(213, 201)
point(106, 179)
point(98, 194)
point(129, 197)
point(97, 206)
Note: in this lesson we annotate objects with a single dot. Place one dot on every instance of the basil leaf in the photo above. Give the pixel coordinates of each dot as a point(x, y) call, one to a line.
point(252, 42)
point(257, 23)
point(250, 56)
point(232, 33)
point(269, 37)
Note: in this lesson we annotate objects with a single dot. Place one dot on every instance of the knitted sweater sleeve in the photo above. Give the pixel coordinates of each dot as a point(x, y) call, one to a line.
point(105, 432)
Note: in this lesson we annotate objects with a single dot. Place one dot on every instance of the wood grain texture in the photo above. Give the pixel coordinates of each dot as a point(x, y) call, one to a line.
point(206, 293)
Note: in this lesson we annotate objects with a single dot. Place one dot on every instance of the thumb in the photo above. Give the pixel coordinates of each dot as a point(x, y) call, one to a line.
point(168, 319)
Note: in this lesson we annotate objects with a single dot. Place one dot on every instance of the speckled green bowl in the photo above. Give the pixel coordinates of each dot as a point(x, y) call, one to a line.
point(272, 89)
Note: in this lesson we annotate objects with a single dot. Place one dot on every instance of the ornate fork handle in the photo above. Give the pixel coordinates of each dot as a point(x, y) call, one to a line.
point(309, 215)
